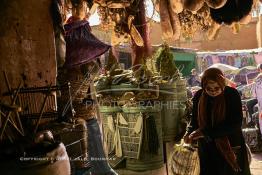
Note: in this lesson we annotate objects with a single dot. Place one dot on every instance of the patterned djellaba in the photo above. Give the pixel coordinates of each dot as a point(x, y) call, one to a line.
point(74, 99)
point(82, 48)
point(79, 85)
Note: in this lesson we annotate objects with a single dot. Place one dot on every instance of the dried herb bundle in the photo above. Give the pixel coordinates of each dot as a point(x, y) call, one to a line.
point(191, 23)
point(165, 63)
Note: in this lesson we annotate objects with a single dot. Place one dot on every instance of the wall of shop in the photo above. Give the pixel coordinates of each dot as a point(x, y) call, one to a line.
point(234, 59)
point(27, 49)
point(226, 40)
point(247, 38)
point(259, 31)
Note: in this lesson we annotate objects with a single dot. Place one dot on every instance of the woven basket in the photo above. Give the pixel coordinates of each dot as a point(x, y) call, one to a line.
point(54, 162)
point(185, 160)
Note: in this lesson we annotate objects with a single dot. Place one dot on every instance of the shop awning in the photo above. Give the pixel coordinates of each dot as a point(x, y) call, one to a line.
point(184, 56)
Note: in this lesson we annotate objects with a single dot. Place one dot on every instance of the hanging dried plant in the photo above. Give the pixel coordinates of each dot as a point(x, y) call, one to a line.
point(203, 18)
point(105, 18)
point(188, 26)
point(191, 23)
point(176, 5)
point(165, 63)
point(246, 19)
point(235, 28)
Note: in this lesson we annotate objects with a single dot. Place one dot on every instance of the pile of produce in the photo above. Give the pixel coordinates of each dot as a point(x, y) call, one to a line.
point(193, 22)
point(117, 16)
point(117, 84)
point(165, 63)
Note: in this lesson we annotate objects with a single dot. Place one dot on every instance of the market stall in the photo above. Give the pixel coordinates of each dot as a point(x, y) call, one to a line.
point(236, 58)
point(140, 109)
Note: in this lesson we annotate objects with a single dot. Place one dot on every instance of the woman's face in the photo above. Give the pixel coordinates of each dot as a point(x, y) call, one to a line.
point(213, 89)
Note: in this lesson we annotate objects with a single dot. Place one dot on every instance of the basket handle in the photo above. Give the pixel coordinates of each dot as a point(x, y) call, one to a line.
point(191, 147)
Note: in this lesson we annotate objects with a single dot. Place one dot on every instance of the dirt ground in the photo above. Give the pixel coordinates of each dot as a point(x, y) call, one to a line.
point(256, 164)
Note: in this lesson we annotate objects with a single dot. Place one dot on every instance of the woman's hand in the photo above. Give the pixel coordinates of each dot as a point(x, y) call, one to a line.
point(197, 134)
point(187, 139)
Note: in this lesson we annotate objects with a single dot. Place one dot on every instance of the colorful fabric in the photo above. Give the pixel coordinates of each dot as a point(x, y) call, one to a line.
point(257, 91)
point(260, 122)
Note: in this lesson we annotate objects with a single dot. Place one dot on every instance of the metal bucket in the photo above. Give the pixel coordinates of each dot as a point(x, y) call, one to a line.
point(108, 113)
point(174, 91)
point(171, 119)
point(173, 98)
point(147, 160)
point(119, 90)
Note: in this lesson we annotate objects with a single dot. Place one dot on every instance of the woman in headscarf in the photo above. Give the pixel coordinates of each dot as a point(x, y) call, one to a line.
point(216, 126)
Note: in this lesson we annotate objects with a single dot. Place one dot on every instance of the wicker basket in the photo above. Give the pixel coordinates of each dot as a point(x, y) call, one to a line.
point(184, 160)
